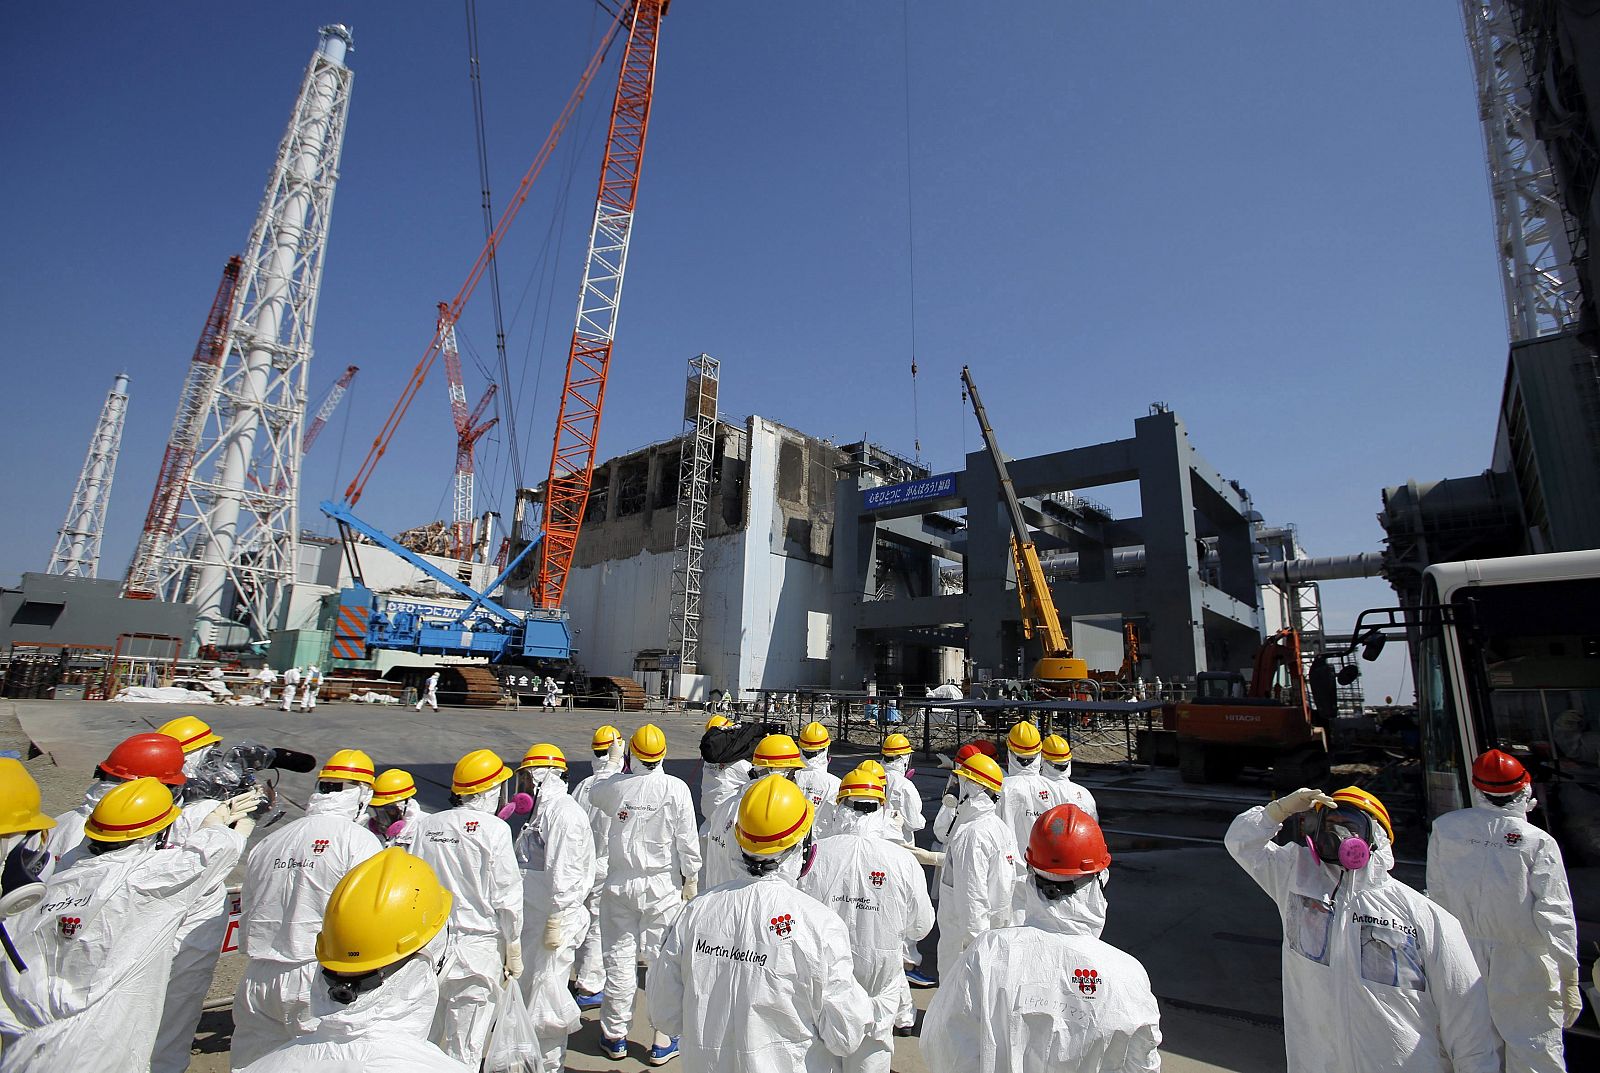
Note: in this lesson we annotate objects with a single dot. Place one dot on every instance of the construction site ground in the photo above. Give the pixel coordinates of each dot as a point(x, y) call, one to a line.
point(1208, 937)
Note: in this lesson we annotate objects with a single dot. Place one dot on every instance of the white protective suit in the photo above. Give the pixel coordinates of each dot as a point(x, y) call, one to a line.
point(555, 850)
point(287, 880)
point(821, 788)
point(718, 782)
point(903, 797)
point(67, 834)
point(196, 948)
point(98, 949)
point(1375, 976)
point(1024, 797)
point(291, 682)
point(471, 851)
point(979, 878)
point(877, 888)
point(590, 969)
point(1504, 880)
point(1024, 998)
point(384, 1030)
point(757, 976)
point(720, 859)
point(1072, 793)
point(647, 827)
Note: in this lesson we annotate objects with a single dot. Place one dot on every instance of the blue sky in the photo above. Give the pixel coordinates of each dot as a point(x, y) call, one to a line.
point(1272, 217)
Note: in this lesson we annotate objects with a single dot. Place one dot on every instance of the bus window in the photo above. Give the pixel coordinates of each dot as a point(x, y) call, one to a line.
point(1443, 781)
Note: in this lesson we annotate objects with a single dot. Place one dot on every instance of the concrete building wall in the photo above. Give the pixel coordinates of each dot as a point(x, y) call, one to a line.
point(52, 609)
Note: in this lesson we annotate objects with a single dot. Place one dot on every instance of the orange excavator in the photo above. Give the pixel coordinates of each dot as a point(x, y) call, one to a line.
point(1266, 722)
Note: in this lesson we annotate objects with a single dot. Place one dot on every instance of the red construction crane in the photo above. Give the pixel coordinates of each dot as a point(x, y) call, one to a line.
point(468, 433)
point(143, 582)
point(325, 411)
point(380, 443)
point(583, 394)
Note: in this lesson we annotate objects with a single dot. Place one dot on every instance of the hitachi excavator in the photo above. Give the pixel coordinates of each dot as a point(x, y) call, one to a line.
point(1266, 722)
point(1058, 669)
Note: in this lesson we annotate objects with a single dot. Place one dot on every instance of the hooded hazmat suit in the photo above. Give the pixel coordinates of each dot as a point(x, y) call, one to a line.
point(384, 1030)
point(287, 880)
point(471, 851)
point(591, 972)
point(68, 832)
point(718, 782)
point(1024, 797)
point(555, 850)
point(1504, 880)
point(903, 797)
point(978, 881)
point(820, 789)
point(719, 853)
point(651, 848)
point(757, 975)
point(1045, 996)
point(98, 950)
point(198, 945)
point(1375, 976)
point(877, 888)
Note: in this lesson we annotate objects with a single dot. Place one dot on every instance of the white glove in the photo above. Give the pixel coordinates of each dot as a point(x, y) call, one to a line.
point(930, 857)
point(552, 934)
point(1571, 996)
point(945, 762)
point(1302, 800)
point(513, 961)
point(691, 887)
point(234, 809)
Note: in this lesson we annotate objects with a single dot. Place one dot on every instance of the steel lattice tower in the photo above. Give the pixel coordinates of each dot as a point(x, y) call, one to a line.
point(694, 500)
point(1541, 286)
point(231, 547)
point(77, 551)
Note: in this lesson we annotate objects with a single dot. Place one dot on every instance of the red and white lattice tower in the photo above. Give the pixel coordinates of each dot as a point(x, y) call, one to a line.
point(230, 546)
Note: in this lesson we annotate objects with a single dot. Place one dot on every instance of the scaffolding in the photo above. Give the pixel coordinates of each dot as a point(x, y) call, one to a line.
point(694, 500)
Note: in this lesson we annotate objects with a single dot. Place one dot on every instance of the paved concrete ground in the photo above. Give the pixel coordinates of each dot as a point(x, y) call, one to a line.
point(1208, 937)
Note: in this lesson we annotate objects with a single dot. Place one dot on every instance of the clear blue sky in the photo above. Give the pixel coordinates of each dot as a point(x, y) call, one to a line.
point(1273, 217)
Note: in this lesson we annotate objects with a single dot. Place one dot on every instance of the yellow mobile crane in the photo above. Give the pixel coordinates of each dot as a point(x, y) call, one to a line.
point(1038, 609)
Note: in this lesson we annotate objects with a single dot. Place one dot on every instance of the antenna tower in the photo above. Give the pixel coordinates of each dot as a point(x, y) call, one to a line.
point(77, 551)
point(230, 549)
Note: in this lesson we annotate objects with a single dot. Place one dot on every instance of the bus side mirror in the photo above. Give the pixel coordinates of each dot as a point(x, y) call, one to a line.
point(1349, 674)
point(1372, 646)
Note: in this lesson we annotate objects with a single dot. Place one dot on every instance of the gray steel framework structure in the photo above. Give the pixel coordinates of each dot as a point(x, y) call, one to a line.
point(694, 499)
point(231, 551)
point(1532, 234)
point(77, 552)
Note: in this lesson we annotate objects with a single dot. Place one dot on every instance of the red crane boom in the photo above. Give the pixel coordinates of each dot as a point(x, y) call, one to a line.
point(583, 394)
point(380, 443)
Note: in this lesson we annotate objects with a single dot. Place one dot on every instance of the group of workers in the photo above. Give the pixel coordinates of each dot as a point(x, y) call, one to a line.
point(297, 684)
point(781, 934)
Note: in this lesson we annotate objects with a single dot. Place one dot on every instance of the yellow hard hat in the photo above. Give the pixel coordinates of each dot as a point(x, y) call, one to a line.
point(982, 770)
point(874, 767)
point(348, 765)
point(478, 772)
point(648, 744)
point(774, 815)
point(778, 752)
point(132, 810)
point(815, 736)
point(862, 782)
point(1359, 798)
point(385, 908)
point(1024, 739)
point(1057, 749)
point(543, 755)
point(717, 721)
point(896, 745)
point(19, 800)
point(393, 785)
point(192, 733)
point(604, 738)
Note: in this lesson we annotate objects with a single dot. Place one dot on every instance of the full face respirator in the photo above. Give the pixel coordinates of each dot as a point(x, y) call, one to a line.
point(1342, 836)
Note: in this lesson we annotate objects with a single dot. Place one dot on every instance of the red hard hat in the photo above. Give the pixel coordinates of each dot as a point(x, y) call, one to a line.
point(986, 747)
point(154, 756)
point(1499, 774)
point(965, 751)
point(1066, 842)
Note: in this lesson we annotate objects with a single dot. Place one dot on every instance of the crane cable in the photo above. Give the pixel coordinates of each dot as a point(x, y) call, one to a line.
point(503, 398)
point(911, 236)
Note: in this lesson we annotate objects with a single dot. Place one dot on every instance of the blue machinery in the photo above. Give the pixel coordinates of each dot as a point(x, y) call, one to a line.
point(482, 628)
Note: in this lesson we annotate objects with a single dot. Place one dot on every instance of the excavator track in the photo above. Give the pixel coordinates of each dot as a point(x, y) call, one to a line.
point(632, 693)
point(481, 689)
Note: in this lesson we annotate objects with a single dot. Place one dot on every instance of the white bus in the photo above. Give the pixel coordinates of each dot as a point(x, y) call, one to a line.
point(1508, 657)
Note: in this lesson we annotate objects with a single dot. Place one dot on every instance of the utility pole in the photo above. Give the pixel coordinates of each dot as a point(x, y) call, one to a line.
point(77, 551)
